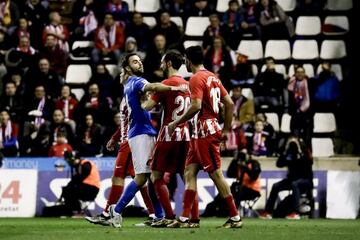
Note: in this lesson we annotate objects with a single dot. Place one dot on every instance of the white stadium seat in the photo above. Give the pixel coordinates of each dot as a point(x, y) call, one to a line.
point(287, 5)
point(322, 147)
point(147, 6)
point(251, 48)
point(113, 70)
point(273, 119)
point(78, 74)
point(131, 5)
point(183, 72)
point(324, 123)
point(178, 21)
point(333, 49)
point(341, 22)
point(190, 43)
point(285, 123)
point(78, 92)
point(196, 26)
point(81, 44)
point(151, 21)
point(339, 5)
point(308, 26)
point(278, 49)
point(305, 50)
point(247, 92)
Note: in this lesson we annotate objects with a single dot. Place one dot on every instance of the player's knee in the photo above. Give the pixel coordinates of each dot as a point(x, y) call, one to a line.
point(117, 181)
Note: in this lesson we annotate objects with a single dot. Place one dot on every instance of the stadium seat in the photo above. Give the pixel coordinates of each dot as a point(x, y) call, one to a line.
point(223, 5)
point(178, 21)
point(183, 72)
point(278, 49)
point(78, 92)
point(151, 21)
point(248, 93)
point(337, 25)
point(280, 68)
point(324, 123)
point(113, 70)
point(273, 119)
point(322, 147)
point(78, 74)
point(285, 123)
point(308, 26)
point(78, 45)
point(309, 70)
point(339, 5)
point(333, 49)
point(196, 26)
point(287, 5)
point(131, 5)
point(305, 50)
point(147, 6)
point(251, 48)
point(190, 43)
point(336, 68)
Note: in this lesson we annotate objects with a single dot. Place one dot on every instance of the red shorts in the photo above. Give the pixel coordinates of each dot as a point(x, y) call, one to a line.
point(124, 166)
point(170, 156)
point(206, 152)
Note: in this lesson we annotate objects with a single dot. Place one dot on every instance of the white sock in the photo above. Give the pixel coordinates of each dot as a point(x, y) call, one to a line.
point(106, 214)
point(152, 216)
point(235, 218)
point(183, 219)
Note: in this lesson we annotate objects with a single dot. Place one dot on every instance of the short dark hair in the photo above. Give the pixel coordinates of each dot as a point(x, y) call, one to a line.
point(175, 57)
point(195, 55)
point(233, 1)
point(269, 58)
point(125, 63)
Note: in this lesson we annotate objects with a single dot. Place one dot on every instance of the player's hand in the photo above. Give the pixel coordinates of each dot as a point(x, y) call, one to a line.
point(179, 88)
point(110, 145)
point(171, 127)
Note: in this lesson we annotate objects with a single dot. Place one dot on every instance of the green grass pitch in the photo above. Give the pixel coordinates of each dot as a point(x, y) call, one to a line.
point(275, 229)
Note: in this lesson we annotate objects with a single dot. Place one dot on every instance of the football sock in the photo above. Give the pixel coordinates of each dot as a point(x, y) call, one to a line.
point(231, 205)
point(189, 197)
point(147, 200)
point(128, 195)
point(155, 202)
point(195, 209)
point(115, 193)
point(162, 193)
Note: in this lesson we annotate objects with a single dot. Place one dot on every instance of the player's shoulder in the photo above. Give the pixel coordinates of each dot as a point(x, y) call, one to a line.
point(174, 81)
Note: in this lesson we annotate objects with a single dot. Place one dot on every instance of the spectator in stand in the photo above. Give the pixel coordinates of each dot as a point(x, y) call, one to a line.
point(139, 30)
point(200, 8)
point(249, 24)
point(131, 47)
point(175, 7)
point(301, 123)
point(12, 102)
point(22, 29)
point(152, 61)
point(44, 76)
point(15, 75)
point(95, 104)
point(269, 88)
point(56, 56)
point(275, 24)
point(215, 29)
point(218, 60)
point(57, 29)
point(297, 157)
point(85, 21)
point(26, 52)
point(60, 147)
point(244, 74)
point(258, 140)
point(5, 45)
point(105, 81)
point(120, 11)
point(326, 90)
point(67, 104)
point(9, 14)
point(36, 14)
point(9, 146)
point(167, 28)
point(109, 131)
point(309, 8)
point(233, 18)
point(109, 40)
point(89, 137)
point(244, 110)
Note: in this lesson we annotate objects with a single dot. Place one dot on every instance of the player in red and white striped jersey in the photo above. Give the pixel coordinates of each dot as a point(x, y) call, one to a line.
point(170, 150)
point(123, 167)
point(207, 92)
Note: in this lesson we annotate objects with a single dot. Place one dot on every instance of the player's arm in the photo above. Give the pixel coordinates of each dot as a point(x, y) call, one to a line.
point(229, 105)
point(148, 104)
point(159, 87)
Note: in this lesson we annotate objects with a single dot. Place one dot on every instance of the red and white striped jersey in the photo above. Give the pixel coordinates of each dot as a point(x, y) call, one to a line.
point(175, 104)
point(206, 86)
point(121, 133)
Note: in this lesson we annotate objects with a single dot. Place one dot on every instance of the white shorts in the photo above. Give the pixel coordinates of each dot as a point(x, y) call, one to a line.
point(141, 149)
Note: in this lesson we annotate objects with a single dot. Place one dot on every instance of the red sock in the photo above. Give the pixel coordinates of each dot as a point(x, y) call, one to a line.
point(162, 194)
point(231, 205)
point(195, 209)
point(115, 194)
point(147, 200)
point(189, 197)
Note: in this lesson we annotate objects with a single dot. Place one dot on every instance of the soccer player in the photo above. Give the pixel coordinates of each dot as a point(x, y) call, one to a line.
point(123, 166)
point(170, 150)
point(141, 133)
point(207, 92)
